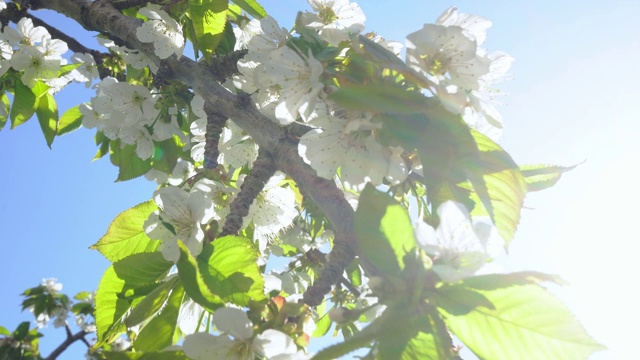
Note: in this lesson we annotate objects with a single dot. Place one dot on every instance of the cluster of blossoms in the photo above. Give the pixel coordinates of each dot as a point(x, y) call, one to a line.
point(289, 83)
point(31, 51)
point(237, 340)
point(460, 72)
point(57, 306)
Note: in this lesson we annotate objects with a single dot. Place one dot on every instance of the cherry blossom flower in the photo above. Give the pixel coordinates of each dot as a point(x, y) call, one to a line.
point(459, 248)
point(334, 19)
point(298, 80)
point(179, 217)
point(189, 317)
point(25, 33)
point(271, 211)
point(349, 144)
point(6, 51)
point(238, 340)
point(35, 65)
point(443, 52)
point(162, 30)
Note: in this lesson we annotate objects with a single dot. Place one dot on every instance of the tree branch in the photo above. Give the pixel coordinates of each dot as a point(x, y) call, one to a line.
point(68, 341)
point(262, 170)
point(101, 16)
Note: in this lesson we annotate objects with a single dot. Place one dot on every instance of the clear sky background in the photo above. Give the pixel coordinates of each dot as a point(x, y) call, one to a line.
point(574, 97)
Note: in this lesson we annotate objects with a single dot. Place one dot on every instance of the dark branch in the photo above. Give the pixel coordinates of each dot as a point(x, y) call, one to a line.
point(225, 66)
point(215, 124)
point(262, 170)
point(68, 341)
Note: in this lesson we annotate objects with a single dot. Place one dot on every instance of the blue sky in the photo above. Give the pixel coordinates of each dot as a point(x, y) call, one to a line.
point(574, 97)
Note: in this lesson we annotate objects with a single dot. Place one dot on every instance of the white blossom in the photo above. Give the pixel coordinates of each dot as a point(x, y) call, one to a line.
point(458, 248)
point(443, 52)
point(297, 79)
point(87, 72)
point(25, 33)
point(52, 286)
point(237, 340)
point(34, 64)
point(271, 211)
point(334, 19)
point(6, 51)
point(162, 30)
point(189, 317)
point(349, 144)
point(178, 218)
point(236, 147)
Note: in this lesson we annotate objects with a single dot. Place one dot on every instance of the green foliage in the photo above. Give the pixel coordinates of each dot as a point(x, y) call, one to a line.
point(159, 333)
point(226, 271)
point(384, 231)
point(525, 321)
point(24, 104)
point(69, 121)
point(208, 19)
point(47, 113)
point(153, 355)
point(252, 7)
point(125, 236)
point(540, 177)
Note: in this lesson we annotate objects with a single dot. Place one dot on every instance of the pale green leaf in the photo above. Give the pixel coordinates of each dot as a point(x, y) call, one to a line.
point(142, 268)
point(47, 113)
point(527, 322)
point(24, 105)
point(379, 98)
point(126, 235)
point(193, 282)
point(208, 18)
point(69, 121)
point(230, 267)
point(4, 102)
point(384, 230)
point(152, 303)
point(111, 306)
point(540, 177)
point(252, 8)
point(159, 332)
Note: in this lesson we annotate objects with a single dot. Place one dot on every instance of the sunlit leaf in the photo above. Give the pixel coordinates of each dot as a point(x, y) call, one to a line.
point(152, 303)
point(193, 282)
point(252, 7)
point(24, 105)
point(69, 121)
point(47, 113)
point(125, 236)
point(540, 177)
point(111, 307)
point(384, 230)
point(152, 355)
point(527, 322)
point(208, 18)
point(142, 268)
point(159, 332)
point(379, 98)
point(230, 267)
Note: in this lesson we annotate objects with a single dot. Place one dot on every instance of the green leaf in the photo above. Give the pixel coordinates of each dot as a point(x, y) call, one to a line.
point(69, 121)
point(252, 8)
point(497, 181)
point(126, 235)
point(4, 102)
point(384, 230)
point(166, 156)
point(47, 113)
point(230, 268)
point(4, 331)
point(540, 177)
point(193, 282)
point(152, 303)
point(209, 18)
point(422, 346)
point(527, 323)
point(24, 105)
point(130, 165)
point(159, 332)
point(322, 326)
point(111, 306)
point(142, 268)
point(21, 331)
point(154, 355)
point(380, 98)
